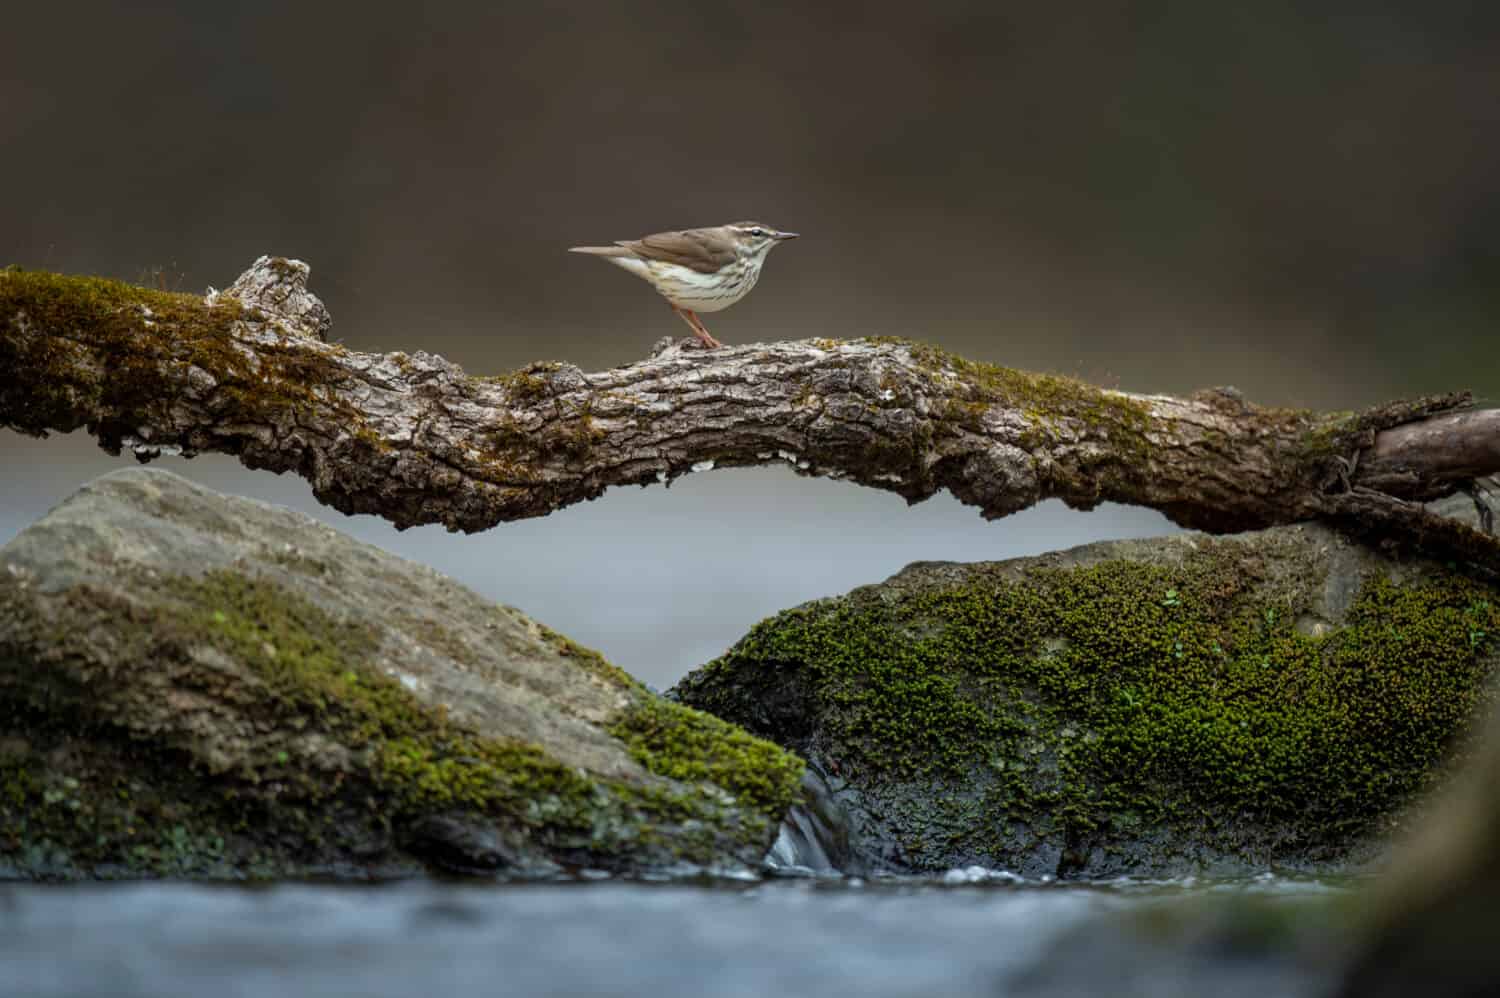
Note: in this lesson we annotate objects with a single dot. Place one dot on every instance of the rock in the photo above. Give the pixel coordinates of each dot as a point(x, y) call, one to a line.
point(1182, 705)
point(198, 685)
point(1237, 946)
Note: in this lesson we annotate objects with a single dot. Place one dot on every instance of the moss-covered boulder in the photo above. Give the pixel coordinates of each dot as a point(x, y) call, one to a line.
point(1158, 707)
point(198, 685)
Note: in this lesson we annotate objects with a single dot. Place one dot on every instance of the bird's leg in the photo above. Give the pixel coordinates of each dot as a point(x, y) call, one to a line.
point(700, 329)
point(691, 318)
point(707, 336)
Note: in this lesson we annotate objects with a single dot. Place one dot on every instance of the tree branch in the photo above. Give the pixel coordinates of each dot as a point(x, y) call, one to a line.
point(416, 440)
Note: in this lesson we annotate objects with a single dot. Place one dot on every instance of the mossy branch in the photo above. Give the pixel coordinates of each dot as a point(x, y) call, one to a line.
point(416, 440)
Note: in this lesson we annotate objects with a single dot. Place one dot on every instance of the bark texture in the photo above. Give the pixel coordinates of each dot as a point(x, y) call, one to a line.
point(413, 438)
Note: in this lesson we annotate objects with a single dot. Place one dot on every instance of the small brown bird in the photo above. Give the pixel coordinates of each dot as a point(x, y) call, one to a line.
point(697, 270)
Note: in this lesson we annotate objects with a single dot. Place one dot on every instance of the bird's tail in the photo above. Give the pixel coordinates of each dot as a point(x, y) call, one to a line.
point(601, 250)
point(619, 256)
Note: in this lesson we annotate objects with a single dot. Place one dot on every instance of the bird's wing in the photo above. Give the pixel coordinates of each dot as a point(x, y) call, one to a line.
point(703, 250)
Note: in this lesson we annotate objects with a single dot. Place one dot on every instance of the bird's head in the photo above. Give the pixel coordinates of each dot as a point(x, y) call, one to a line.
point(755, 239)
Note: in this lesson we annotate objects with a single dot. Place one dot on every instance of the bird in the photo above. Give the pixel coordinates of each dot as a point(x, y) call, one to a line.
point(697, 270)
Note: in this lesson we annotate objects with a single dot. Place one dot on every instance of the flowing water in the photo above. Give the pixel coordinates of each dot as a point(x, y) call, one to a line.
point(975, 934)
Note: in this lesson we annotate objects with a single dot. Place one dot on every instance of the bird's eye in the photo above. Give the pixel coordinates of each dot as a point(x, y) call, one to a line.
point(757, 232)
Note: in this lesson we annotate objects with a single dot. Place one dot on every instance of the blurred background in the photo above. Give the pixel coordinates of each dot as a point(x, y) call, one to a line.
point(1302, 200)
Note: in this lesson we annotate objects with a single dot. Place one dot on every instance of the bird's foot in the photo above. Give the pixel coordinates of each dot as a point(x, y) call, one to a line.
point(700, 330)
point(696, 325)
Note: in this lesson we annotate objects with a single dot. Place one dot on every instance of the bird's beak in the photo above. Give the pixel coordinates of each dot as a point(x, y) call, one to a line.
point(785, 235)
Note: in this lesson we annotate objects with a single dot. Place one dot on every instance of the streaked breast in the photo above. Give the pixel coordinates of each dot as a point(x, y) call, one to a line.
point(687, 288)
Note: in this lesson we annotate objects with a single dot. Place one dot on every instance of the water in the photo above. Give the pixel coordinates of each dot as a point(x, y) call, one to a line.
point(783, 937)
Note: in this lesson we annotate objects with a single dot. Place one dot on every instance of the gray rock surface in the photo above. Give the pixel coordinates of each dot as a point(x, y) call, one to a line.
point(196, 684)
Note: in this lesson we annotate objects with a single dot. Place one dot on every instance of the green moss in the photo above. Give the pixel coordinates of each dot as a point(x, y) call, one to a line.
point(319, 667)
point(332, 754)
point(570, 432)
point(1119, 695)
point(66, 812)
point(17, 782)
point(688, 745)
point(1054, 407)
point(81, 350)
point(579, 436)
point(591, 660)
point(529, 384)
point(1329, 435)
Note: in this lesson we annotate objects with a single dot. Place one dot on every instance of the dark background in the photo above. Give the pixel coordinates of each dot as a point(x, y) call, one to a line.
point(1302, 200)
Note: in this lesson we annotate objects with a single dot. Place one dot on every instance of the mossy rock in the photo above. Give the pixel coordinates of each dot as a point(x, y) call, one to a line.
point(1164, 707)
point(198, 685)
